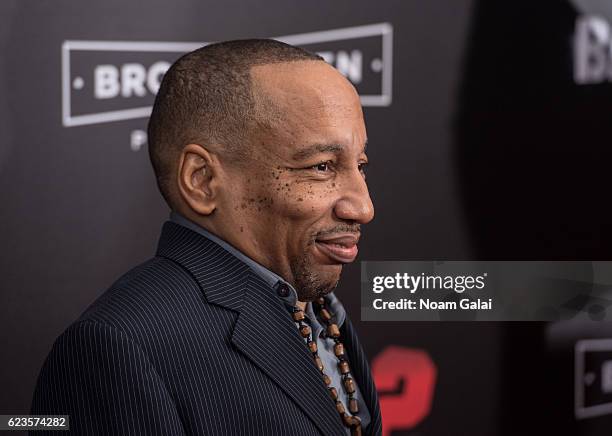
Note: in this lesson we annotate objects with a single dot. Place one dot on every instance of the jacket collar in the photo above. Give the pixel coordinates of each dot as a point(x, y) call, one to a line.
point(221, 276)
point(275, 346)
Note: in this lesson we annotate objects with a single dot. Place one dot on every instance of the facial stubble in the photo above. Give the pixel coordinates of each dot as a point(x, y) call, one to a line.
point(309, 284)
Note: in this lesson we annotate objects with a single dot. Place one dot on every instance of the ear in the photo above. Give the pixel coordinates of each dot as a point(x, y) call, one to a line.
point(198, 178)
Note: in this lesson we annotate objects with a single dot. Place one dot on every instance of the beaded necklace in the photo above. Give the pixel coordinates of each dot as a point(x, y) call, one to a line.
point(333, 331)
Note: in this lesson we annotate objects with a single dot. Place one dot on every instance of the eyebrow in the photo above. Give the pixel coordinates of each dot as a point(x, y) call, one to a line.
point(314, 149)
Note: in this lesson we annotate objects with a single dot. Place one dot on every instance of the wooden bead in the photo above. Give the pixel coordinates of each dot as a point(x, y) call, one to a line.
point(298, 316)
point(349, 385)
point(333, 331)
point(338, 349)
point(312, 346)
point(351, 420)
point(346, 418)
point(344, 367)
point(354, 422)
point(333, 392)
point(319, 363)
point(326, 379)
point(325, 314)
point(305, 331)
point(353, 406)
point(340, 407)
point(321, 301)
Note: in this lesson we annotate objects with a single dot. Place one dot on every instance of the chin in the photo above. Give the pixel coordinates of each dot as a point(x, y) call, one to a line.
point(331, 272)
point(329, 275)
point(315, 280)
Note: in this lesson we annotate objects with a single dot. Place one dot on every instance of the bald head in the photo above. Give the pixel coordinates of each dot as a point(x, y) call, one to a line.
point(207, 98)
point(295, 96)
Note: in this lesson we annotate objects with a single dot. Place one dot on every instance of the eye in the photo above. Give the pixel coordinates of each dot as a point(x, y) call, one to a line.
point(322, 166)
point(362, 166)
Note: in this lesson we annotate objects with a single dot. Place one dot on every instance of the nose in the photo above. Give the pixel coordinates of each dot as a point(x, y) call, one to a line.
point(355, 203)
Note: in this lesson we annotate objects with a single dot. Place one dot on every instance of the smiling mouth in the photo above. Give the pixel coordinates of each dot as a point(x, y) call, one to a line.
point(339, 248)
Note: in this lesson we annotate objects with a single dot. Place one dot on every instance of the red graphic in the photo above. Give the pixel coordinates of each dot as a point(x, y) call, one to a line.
point(405, 380)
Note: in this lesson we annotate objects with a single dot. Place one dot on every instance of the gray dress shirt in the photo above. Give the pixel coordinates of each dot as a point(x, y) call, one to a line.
point(325, 345)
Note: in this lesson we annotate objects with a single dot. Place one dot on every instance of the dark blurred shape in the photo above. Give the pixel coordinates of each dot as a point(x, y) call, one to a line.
point(533, 156)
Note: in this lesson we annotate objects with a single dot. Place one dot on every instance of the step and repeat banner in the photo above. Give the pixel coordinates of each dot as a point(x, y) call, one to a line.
point(489, 140)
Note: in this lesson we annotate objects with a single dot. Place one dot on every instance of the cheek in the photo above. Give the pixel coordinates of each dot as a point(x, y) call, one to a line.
point(253, 204)
point(303, 200)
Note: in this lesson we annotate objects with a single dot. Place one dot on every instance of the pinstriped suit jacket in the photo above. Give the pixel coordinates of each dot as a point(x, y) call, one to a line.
point(193, 342)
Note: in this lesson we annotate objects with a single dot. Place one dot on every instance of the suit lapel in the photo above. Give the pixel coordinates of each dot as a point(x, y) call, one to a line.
point(264, 331)
point(266, 334)
point(221, 276)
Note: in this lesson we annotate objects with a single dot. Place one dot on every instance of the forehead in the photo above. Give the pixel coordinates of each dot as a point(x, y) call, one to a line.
point(308, 102)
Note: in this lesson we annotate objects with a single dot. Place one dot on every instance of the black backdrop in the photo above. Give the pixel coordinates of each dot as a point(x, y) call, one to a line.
point(484, 147)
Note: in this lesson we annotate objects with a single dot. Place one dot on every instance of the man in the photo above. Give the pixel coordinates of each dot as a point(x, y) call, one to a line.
point(233, 327)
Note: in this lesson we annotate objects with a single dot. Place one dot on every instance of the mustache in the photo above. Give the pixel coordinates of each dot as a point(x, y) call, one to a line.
point(341, 228)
